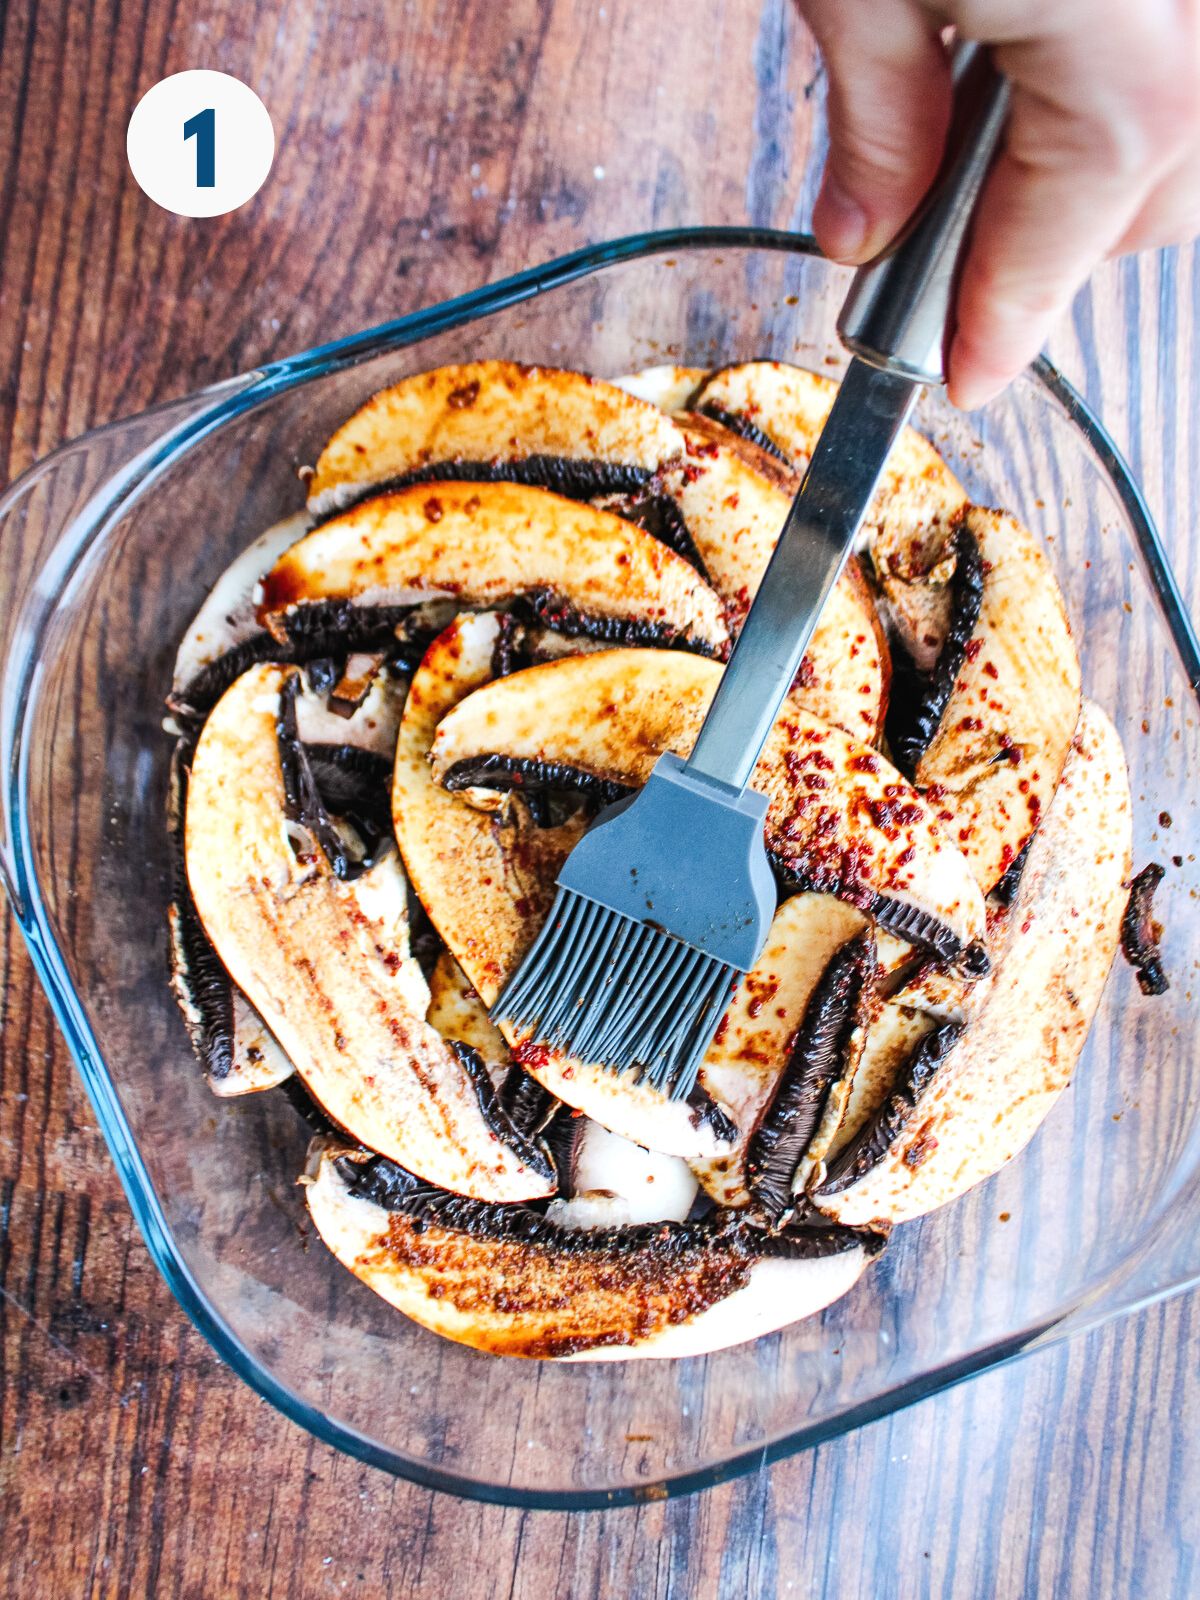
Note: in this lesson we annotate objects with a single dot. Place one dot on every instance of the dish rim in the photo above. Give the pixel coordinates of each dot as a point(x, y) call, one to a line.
point(225, 401)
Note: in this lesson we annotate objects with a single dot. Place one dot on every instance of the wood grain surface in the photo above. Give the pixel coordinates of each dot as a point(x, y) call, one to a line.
point(425, 146)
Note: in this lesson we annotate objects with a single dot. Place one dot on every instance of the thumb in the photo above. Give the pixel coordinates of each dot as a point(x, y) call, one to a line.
point(888, 109)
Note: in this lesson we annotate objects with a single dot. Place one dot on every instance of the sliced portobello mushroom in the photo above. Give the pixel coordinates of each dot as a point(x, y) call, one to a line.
point(806, 1108)
point(667, 387)
point(457, 1012)
point(893, 1037)
point(747, 1059)
point(489, 420)
point(986, 733)
point(486, 879)
point(788, 407)
point(258, 1060)
point(918, 996)
point(758, 453)
point(734, 515)
point(326, 962)
point(509, 1282)
point(1142, 933)
point(582, 569)
point(371, 727)
point(224, 637)
point(842, 820)
point(232, 1042)
point(953, 1120)
point(606, 1181)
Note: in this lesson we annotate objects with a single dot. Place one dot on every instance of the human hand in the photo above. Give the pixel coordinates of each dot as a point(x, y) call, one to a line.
point(1101, 154)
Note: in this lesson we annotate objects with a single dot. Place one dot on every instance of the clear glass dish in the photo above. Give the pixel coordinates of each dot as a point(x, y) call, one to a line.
point(106, 549)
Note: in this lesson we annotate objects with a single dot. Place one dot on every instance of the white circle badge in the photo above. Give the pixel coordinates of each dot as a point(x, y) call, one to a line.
point(200, 143)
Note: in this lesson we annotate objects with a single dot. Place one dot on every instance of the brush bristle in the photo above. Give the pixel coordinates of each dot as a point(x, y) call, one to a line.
point(618, 994)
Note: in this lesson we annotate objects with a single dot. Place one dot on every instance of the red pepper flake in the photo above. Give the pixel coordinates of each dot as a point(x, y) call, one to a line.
point(433, 509)
point(806, 676)
point(463, 398)
point(974, 646)
point(990, 668)
point(532, 1055)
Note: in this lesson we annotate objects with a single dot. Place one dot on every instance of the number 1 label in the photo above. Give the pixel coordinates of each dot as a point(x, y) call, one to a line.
point(171, 143)
point(203, 128)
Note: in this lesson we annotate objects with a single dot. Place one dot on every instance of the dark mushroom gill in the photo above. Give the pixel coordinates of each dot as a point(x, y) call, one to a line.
point(873, 1141)
point(918, 700)
point(823, 1053)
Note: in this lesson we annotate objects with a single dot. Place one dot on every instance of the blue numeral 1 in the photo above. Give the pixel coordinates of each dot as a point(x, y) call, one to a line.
point(204, 126)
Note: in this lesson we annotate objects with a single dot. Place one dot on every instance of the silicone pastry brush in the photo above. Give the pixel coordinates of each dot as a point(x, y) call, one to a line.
point(669, 895)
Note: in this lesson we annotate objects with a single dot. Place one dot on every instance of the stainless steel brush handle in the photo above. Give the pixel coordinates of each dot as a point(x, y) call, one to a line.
point(896, 320)
point(899, 313)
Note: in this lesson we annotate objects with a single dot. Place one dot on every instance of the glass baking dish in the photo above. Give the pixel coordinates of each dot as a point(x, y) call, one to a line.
point(106, 549)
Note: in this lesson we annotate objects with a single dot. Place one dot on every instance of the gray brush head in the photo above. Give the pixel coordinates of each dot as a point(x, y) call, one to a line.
point(664, 900)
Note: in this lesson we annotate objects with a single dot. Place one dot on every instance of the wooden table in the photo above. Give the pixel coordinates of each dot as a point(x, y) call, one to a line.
point(422, 149)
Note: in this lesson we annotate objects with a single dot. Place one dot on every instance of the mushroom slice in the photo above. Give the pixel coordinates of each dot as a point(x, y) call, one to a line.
point(760, 454)
point(486, 880)
point(507, 1281)
point(371, 728)
point(747, 1057)
point(234, 1045)
point(987, 733)
point(224, 637)
point(258, 1062)
point(797, 1128)
point(610, 1182)
point(1142, 933)
point(580, 569)
point(326, 963)
point(457, 1012)
point(841, 820)
point(788, 407)
point(489, 420)
point(941, 1131)
point(667, 387)
point(734, 516)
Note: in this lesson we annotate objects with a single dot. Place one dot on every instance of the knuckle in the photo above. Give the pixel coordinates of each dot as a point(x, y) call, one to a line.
point(1005, 291)
point(868, 151)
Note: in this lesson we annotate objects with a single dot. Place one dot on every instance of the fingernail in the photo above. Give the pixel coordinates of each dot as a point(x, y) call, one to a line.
point(839, 222)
